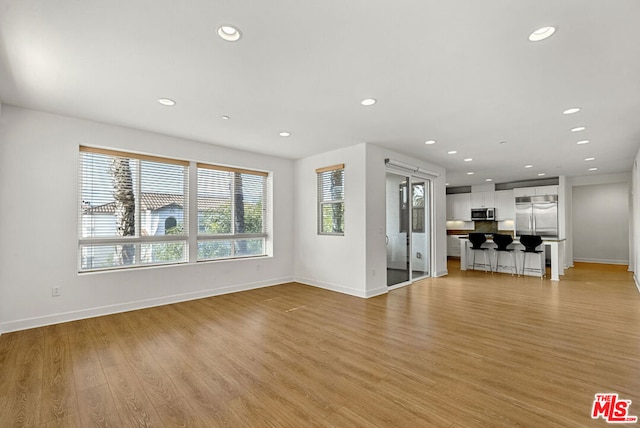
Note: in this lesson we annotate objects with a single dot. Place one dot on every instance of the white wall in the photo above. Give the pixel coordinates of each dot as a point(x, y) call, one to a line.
point(600, 218)
point(635, 220)
point(600, 223)
point(565, 217)
point(332, 262)
point(39, 225)
point(356, 262)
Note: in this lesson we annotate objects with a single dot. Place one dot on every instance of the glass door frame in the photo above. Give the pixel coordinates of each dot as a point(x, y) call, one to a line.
point(413, 177)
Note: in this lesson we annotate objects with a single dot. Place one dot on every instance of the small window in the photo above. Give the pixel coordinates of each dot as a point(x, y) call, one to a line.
point(169, 225)
point(331, 200)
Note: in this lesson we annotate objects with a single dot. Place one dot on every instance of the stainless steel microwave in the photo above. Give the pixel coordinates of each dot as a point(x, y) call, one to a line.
point(483, 213)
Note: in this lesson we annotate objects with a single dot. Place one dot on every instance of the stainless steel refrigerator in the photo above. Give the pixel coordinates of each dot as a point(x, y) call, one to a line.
point(537, 215)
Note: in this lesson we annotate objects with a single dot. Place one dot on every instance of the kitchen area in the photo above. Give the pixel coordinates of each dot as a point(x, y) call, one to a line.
point(513, 209)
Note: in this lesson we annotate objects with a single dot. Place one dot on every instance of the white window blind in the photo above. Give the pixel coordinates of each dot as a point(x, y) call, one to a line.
point(331, 200)
point(133, 210)
point(231, 212)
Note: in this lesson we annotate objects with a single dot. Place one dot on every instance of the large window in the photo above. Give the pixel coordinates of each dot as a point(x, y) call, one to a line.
point(331, 200)
point(134, 211)
point(231, 212)
point(125, 202)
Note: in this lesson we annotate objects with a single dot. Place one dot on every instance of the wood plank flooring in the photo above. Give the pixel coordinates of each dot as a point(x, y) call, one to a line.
point(470, 349)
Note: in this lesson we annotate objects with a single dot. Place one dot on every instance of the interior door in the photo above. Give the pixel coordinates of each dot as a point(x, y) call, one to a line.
point(398, 239)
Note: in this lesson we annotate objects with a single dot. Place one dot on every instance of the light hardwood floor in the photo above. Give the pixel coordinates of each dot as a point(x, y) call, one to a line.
point(467, 350)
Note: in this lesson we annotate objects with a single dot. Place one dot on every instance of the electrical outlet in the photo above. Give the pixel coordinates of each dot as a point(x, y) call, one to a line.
point(55, 291)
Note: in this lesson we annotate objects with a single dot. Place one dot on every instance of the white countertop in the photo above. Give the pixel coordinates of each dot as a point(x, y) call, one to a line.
point(516, 240)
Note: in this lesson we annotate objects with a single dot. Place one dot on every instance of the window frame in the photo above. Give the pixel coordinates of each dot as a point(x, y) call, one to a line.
point(190, 235)
point(322, 202)
point(417, 212)
point(233, 237)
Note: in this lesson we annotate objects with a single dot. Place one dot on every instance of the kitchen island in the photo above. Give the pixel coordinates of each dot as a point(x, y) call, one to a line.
point(556, 250)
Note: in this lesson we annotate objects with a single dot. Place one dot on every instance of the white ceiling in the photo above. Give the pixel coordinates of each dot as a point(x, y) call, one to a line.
point(462, 72)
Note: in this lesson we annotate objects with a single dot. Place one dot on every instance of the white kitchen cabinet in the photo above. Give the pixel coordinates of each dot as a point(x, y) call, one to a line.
point(505, 205)
point(482, 199)
point(450, 201)
point(546, 190)
point(453, 246)
point(535, 191)
point(524, 191)
point(459, 206)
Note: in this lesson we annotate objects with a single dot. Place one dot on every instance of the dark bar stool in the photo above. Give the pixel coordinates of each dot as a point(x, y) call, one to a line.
point(531, 243)
point(477, 239)
point(502, 242)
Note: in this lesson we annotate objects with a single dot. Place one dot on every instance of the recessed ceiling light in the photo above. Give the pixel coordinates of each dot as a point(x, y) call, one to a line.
point(541, 33)
point(589, 159)
point(446, 184)
point(488, 179)
point(583, 142)
point(528, 166)
point(542, 174)
point(452, 152)
point(229, 33)
point(571, 110)
point(166, 102)
point(285, 134)
point(503, 142)
point(468, 159)
point(429, 142)
point(368, 101)
point(470, 173)
point(225, 117)
point(593, 169)
point(578, 128)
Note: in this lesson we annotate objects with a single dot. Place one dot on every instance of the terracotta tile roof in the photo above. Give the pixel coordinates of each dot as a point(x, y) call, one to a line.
point(156, 201)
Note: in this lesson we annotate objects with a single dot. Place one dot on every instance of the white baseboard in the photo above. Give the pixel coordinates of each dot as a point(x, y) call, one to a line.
point(26, 323)
point(602, 261)
point(334, 287)
point(376, 292)
point(635, 279)
point(440, 273)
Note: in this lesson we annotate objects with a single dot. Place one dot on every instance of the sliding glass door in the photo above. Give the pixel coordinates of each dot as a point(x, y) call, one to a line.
point(408, 237)
point(398, 238)
point(420, 229)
